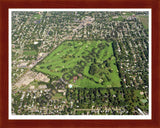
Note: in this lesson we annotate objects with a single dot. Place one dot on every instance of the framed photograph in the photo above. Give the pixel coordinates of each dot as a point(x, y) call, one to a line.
point(86, 66)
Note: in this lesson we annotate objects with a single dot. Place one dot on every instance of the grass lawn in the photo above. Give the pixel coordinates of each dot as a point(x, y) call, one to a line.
point(58, 96)
point(87, 58)
point(30, 53)
point(37, 16)
point(127, 13)
point(143, 100)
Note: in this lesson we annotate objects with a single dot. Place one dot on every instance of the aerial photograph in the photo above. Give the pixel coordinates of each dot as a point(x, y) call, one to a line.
point(79, 62)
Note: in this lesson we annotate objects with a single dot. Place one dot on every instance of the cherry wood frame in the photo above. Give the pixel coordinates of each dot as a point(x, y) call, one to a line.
point(6, 4)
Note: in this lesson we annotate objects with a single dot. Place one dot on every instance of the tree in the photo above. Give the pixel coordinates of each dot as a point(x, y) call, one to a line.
point(127, 79)
point(92, 69)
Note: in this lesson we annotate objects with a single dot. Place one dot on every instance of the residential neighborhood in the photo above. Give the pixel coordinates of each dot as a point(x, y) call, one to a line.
point(80, 62)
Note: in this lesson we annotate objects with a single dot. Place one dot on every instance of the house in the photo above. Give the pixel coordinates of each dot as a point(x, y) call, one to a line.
point(75, 78)
point(80, 75)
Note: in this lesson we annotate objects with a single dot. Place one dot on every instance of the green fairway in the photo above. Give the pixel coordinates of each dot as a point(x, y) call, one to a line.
point(88, 64)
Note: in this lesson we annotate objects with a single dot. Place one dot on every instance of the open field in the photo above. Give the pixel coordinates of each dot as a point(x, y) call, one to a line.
point(144, 20)
point(83, 64)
